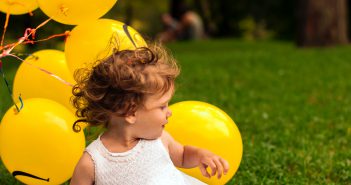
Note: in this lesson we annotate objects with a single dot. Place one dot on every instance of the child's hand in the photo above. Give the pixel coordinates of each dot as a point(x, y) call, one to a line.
point(217, 164)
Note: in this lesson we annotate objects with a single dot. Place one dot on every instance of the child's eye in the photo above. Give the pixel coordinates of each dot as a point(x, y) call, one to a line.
point(163, 107)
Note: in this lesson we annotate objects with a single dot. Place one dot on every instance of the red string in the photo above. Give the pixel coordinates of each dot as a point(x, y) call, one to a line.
point(44, 70)
point(30, 32)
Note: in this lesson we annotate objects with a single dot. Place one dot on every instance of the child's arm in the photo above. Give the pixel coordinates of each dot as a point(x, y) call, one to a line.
point(190, 157)
point(84, 172)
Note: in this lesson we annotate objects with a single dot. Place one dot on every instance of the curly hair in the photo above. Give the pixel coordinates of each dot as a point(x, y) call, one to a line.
point(119, 84)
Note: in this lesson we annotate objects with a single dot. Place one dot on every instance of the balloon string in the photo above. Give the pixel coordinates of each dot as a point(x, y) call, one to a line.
point(25, 40)
point(27, 33)
point(6, 51)
point(9, 90)
point(50, 37)
point(43, 23)
point(8, 18)
point(66, 34)
point(43, 70)
point(5, 28)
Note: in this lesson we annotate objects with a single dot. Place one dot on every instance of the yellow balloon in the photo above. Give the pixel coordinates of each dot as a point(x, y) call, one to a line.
point(38, 144)
point(206, 126)
point(75, 11)
point(18, 7)
point(31, 82)
point(96, 40)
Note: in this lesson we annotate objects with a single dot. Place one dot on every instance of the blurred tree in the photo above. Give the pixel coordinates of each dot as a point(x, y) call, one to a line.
point(223, 18)
point(322, 22)
point(204, 10)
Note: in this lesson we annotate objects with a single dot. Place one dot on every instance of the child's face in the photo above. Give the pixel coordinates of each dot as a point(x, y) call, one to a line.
point(151, 119)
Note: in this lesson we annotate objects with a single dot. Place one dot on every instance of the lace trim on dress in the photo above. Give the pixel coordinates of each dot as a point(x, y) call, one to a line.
point(127, 156)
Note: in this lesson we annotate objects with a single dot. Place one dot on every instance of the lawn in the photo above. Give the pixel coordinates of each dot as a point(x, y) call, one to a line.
point(292, 106)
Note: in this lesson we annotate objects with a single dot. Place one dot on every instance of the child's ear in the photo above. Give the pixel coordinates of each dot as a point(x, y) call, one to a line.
point(131, 118)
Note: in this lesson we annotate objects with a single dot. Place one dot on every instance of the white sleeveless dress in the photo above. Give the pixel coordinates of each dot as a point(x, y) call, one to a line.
point(148, 163)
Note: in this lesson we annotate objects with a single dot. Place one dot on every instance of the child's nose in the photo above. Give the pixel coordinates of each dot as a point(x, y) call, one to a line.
point(169, 113)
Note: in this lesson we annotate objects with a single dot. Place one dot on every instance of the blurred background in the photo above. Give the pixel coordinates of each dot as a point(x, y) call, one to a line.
point(280, 69)
point(307, 23)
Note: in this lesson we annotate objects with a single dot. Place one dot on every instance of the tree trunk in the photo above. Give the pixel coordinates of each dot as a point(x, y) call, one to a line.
point(205, 13)
point(322, 22)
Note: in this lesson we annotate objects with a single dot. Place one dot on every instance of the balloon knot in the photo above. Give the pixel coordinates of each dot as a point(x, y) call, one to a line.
point(15, 111)
point(63, 9)
point(67, 33)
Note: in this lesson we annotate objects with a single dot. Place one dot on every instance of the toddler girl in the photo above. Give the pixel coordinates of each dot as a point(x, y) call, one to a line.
point(128, 93)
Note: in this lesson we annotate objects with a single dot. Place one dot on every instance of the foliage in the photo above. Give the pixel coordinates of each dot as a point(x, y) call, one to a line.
point(252, 30)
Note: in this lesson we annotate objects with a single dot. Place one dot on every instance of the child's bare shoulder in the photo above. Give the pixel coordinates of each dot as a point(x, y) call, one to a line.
point(175, 149)
point(166, 138)
point(84, 171)
point(86, 161)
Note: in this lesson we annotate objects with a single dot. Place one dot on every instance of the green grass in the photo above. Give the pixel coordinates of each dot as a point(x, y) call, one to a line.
point(292, 106)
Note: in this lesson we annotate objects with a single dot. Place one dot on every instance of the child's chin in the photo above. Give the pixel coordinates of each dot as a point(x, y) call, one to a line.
point(153, 137)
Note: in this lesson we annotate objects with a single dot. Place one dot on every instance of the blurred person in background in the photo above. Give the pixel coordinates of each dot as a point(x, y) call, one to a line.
point(182, 23)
